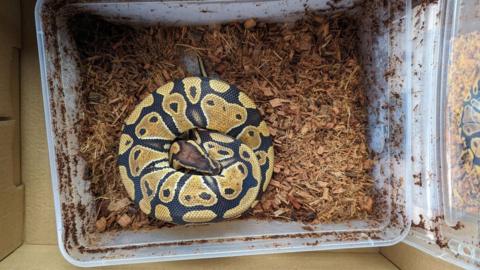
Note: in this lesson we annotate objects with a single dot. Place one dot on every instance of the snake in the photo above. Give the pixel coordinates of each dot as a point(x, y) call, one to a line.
point(195, 150)
point(470, 125)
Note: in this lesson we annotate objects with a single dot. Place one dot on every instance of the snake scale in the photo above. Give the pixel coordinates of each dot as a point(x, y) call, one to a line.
point(195, 150)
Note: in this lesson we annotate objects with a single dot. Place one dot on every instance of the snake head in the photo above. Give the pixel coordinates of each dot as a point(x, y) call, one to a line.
point(187, 154)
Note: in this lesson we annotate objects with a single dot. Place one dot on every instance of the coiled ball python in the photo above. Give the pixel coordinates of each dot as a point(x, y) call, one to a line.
point(470, 125)
point(195, 150)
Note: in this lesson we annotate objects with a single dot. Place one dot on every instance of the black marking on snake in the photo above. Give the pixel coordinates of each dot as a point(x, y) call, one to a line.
point(153, 119)
point(136, 154)
point(193, 91)
point(205, 196)
point(174, 106)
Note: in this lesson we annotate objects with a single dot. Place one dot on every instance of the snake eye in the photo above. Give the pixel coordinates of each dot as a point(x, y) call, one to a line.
point(229, 191)
point(143, 131)
point(153, 119)
point(210, 102)
point(238, 116)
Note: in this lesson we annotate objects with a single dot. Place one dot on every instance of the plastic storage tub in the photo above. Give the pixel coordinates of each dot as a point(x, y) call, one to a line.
point(385, 48)
point(446, 214)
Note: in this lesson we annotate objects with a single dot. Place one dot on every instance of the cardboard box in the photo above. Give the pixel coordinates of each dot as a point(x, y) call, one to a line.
point(31, 244)
point(9, 58)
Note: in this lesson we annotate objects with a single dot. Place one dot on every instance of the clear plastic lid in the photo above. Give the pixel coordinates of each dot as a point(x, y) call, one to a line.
point(447, 192)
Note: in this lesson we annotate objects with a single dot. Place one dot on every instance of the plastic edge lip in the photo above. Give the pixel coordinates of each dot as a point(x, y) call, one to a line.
point(48, 126)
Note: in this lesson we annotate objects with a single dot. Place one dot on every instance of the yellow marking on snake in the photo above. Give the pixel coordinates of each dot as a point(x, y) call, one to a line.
point(174, 149)
point(262, 157)
point(269, 172)
point(163, 213)
point(141, 156)
point(248, 155)
point(199, 216)
point(251, 137)
point(135, 114)
point(193, 88)
point(194, 192)
point(245, 204)
point(165, 89)
point(175, 105)
point(231, 181)
point(246, 101)
point(145, 205)
point(125, 143)
point(219, 86)
point(152, 127)
point(149, 184)
point(167, 190)
point(162, 164)
point(197, 119)
point(217, 151)
point(263, 129)
point(221, 138)
point(221, 115)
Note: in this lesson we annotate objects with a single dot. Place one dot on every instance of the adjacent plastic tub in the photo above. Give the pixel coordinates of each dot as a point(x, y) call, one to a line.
point(385, 28)
point(446, 202)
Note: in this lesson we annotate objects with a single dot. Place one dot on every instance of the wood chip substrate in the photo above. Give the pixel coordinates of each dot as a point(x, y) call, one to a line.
point(305, 77)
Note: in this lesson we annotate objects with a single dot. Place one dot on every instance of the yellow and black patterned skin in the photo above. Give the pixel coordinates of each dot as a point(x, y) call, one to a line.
point(470, 125)
point(231, 149)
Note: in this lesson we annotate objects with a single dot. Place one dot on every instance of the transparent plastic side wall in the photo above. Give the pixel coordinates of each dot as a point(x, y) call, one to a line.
point(434, 226)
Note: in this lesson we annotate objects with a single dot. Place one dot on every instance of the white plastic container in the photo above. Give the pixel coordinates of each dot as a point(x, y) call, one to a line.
point(385, 48)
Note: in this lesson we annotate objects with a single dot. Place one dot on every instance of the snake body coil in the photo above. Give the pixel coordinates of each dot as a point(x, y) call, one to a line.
point(230, 144)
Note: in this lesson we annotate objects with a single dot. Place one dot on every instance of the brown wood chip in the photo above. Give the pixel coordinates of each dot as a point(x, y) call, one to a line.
point(124, 220)
point(250, 23)
point(118, 205)
point(277, 102)
point(101, 224)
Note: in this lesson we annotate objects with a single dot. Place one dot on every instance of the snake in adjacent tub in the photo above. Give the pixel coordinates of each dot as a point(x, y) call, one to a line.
point(195, 150)
point(470, 124)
